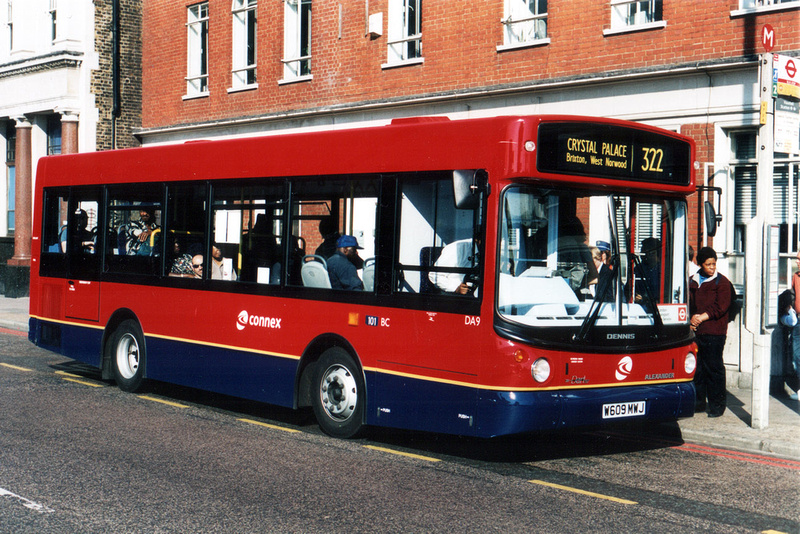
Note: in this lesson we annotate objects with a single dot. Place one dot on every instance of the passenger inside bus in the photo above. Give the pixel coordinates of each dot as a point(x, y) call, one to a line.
point(143, 234)
point(221, 267)
point(342, 269)
point(197, 265)
point(648, 272)
point(328, 229)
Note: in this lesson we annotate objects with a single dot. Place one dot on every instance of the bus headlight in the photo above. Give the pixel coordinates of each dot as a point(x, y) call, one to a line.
point(540, 370)
point(690, 363)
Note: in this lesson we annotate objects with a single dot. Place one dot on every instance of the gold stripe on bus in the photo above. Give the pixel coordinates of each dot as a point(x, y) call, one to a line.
point(172, 338)
point(522, 389)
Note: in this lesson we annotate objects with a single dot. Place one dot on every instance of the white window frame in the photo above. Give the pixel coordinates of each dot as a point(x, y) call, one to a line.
point(53, 11)
point(640, 20)
point(400, 33)
point(243, 71)
point(748, 7)
point(296, 65)
point(523, 27)
point(197, 51)
point(10, 25)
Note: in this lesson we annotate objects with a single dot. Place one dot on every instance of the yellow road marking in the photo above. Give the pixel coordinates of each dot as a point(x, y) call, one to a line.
point(408, 454)
point(69, 377)
point(274, 427)
point(162, 401)
point(582, 492)
point(83, 382)
point(16, 367)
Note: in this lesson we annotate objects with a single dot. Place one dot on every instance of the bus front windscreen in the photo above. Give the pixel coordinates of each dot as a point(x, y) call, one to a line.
point(579, 261)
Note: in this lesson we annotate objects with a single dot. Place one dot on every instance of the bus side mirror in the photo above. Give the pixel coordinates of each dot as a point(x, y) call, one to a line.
point(712, 219)
point(468, 184)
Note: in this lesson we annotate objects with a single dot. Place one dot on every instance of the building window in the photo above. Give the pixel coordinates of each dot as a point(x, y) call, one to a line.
point(744, 167)
point(244, 44)
point(405, 32)
point(627, 15)
point(53, 20)
point(11, 196)
point(197, 50)
point(53, 135)
point(757, 4)
point(524, 23)
point(10, 26)
point(296, 40)
point(11, 143)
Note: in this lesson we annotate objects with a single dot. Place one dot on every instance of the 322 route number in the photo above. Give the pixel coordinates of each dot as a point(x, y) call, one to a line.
point(652, 159)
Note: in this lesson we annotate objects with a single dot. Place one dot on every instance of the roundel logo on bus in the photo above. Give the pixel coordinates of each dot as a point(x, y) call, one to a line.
point(245, 319)
point(624, 368)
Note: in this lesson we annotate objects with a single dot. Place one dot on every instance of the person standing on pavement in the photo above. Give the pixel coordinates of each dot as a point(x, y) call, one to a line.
point(709, 299)
point(794, 372)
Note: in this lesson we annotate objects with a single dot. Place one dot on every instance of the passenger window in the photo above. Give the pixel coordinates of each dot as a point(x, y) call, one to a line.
point(185, 230)
point(327, 214)
point(134, 238)
point(54, 222)
point(248, 239)
point(69, 233)
point(440, 244)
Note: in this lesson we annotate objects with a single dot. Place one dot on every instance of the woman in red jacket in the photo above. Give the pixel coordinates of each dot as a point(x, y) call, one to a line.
point(709, 299)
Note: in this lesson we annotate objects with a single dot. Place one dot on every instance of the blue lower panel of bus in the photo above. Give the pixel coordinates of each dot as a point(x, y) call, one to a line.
point(512, 412)
point(243, 374)
point(403, 402)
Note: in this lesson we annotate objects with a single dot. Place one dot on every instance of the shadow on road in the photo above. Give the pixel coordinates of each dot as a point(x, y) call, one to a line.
point(618, 439)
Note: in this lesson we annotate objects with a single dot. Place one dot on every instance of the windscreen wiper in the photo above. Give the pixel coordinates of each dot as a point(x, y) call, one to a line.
point(604, 285)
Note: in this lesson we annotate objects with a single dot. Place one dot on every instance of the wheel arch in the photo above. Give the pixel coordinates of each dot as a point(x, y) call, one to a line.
point(122, 314)
point(311, 355)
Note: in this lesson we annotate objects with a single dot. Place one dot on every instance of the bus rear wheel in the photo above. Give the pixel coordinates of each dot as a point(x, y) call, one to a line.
point(127, 356)
point(338, 398)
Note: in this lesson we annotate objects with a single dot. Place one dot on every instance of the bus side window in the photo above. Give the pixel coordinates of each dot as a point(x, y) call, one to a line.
point(184, 230)
point(248, 233)
point(54, 222)
point(322, 212)
point(439, 252)
point(134, 236)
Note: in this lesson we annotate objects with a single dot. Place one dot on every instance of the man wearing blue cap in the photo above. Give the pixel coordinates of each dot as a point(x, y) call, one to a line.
point(342, 265)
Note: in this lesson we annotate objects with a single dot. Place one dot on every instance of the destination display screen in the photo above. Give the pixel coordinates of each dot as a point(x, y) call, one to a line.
point(611, 151)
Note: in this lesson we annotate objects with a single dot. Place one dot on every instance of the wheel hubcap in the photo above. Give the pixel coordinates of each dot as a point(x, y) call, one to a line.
point(338, 393)
point(128, 356)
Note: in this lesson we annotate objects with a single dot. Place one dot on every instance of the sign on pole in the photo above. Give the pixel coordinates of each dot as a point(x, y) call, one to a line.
point(787, 80)
point(768, 37)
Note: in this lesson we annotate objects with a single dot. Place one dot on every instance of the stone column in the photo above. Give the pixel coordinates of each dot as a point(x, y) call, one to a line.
point(23, 196)
point(69, 133)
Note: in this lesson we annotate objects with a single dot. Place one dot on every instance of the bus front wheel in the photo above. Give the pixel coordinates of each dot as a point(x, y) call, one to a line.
point(338, 398)
point(127, 356)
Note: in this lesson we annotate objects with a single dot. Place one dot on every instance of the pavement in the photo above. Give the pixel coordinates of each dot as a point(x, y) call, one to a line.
point(781, 437)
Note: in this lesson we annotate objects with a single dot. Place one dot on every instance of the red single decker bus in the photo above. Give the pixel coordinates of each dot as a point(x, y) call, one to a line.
point(478, 277)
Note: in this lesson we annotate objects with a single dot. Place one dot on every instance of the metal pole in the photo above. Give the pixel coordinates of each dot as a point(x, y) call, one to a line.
point(756, 258)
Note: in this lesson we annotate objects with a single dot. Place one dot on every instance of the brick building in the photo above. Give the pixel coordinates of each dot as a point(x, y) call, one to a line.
point(57, 95)
point(226, 68)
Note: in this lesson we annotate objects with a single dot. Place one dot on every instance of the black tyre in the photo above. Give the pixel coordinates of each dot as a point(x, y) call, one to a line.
point(339, 394)
point(127, 355)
